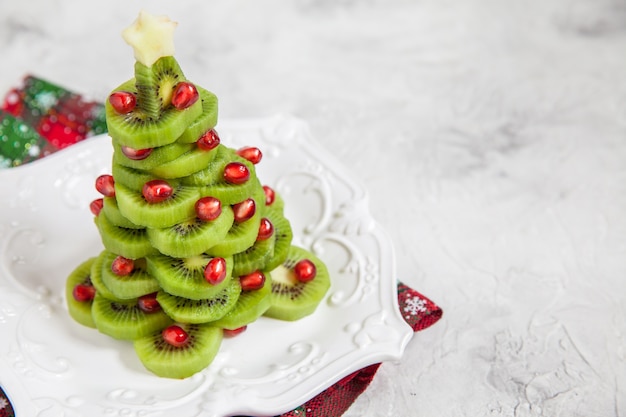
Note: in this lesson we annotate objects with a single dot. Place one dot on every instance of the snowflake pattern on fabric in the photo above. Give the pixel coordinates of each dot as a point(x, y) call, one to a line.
point(414, 306)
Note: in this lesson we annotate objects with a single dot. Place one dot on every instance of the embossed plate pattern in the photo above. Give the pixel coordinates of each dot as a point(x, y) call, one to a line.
point(49, 365)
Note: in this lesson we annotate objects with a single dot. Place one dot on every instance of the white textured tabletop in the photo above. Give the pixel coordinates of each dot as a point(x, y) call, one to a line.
point(491, 135)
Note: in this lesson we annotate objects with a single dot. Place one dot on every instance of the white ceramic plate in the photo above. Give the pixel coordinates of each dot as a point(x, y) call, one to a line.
point(49, 365)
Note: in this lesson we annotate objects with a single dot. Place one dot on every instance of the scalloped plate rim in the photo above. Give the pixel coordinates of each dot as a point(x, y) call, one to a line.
point(357, 359)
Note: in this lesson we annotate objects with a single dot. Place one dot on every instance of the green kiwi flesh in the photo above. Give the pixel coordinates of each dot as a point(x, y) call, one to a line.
point(139, 282)
point(169, 361)
point(184, 277)
point(188, 163)
point(96, 277)
point(129, 243)
point(192, 237)
point(124, 319)
point(253, 258)
point(138, 130)
point(249, 307)
point(205, 122)
point(185, 310)
point(158, 156)
point(114, 216)
point(80, 311)
point(291, 299)
point(178, 208)
point(283, 235)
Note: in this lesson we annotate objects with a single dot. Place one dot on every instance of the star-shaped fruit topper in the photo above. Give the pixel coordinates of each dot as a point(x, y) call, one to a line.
point(151, 37)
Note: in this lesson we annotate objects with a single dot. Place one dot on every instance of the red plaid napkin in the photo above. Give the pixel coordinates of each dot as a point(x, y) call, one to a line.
point(39, 118)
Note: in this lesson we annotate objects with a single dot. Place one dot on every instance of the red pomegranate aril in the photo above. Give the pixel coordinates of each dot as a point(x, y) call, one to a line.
point(209, 140)
point(208, 208)
point(84, 292)
point(185, 95)
point(123, 101)
point(270, 195)
point(251, 153)
point(175, 335)
point(122, 266)
point(215, 271)
point(96, 206)
point(252, 281)
point(266, 229)
point(105, 184)
point(244, 210)
point(136, 154)
point(148, 303)
point(236, 173)
point(234, 332)
point(305, 270)
point(157, 191)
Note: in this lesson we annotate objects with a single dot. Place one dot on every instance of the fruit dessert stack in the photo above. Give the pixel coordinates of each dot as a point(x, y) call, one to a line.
point(195, 247)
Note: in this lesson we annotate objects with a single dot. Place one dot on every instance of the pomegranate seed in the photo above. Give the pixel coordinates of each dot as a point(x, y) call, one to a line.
point(305, 270)
point(148, 303)
point(209, 140)
point(270, 195)
point(244, 210)
point(234, 332)
point(253, 281)
point(236, 173)
point(266, 229)
point(123, 101)
point(208, 208)
point(105, 184)
point(251, 153)
point(215, 271)
point(84, 292)
point(122, 266)
point(157, 191)
point(96, 206)
point(136, 154)
point(175, 335)
point(185, 94)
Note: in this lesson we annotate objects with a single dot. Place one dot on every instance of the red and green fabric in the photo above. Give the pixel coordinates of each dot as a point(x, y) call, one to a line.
point(39, 118)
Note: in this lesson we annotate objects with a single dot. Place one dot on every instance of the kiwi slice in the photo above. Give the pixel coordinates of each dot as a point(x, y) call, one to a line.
point(113, 214)
point(204, 310)
point(292, 299)
point(191, 237)
point(124, 319)
point(155, 84)
point(132, 178)
point(240, 237)
point(253, 258)
point(283, 236)
point(184, 277)
point(80, 310)
point(158, 156)
point(178, 208)
point(211, 180)
point(250, 306)
point(140, 130)
point(206, 121)
point(129, 243)
point(96, 277)
point(186, 164)
point(139, 282)
point(169, 361)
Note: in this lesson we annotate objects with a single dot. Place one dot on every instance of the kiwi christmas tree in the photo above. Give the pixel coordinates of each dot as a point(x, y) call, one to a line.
point(195, 247)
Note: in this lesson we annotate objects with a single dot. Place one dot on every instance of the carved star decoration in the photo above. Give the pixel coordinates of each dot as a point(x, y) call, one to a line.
point(151, 37)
